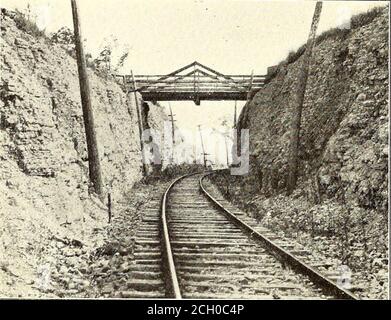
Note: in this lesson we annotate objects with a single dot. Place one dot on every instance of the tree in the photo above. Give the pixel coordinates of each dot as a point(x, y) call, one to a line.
point(112, 56)
point(65, 37)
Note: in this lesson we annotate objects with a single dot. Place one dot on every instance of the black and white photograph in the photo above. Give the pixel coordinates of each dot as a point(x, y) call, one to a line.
point(203, 150)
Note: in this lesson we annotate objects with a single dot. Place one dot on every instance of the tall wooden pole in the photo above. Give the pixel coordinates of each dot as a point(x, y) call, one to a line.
point(88, 117)
point(250, 86)
point(202, 145)
point(298, 99)
point(226, 150)
point(172, 132)
point(194, 82)
point(235, 115)
point(140, 124)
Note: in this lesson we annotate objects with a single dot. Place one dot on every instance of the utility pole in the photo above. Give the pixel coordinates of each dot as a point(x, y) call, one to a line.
point(202, 145)
point(235, 115)
point(298, 99)
point(88, 117)
point(172, 132)
point(237, 134)
point(195, 153)
point(250, 86)
point(226, 150)
point(140, 124)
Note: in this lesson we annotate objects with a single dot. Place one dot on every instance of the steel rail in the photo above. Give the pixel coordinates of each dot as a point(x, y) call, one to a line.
point(327, 285)
point(170, 274)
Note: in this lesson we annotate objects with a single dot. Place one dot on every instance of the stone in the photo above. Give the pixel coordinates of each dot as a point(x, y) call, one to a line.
point(368, 103)
point(123, 251)
point(19, 42)
point(361, 97)
point(72, 285)
point(107, 289)
point(385, 151)
point(124, 267)
point(63, 270)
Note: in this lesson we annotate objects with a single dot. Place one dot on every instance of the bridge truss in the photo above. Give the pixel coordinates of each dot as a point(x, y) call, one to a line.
point(194, 82)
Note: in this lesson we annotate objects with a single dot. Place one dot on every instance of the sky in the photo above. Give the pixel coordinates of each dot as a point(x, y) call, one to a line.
point(231, 36)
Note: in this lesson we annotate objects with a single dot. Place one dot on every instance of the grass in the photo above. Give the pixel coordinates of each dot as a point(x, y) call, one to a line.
point(356, 21)
point(27, 25)
point(332, 34)
point(295, 55)
point(365, 18)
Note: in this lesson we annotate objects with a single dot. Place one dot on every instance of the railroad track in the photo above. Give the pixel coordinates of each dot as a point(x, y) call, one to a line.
point(196, 248)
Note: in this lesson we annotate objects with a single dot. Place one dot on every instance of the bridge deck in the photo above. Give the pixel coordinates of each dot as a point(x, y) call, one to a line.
point(201, 83)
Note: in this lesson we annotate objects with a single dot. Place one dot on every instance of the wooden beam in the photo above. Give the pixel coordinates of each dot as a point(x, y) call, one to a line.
point(209, 84)
point(201, 80)
point(213, 71)
point(235, 116)
point(250, 86)
point(163, 81)
point(175, 72)
point(157, 76)
point(140, 126)
point(189, 96)
point(202, 145)
point(172, 133)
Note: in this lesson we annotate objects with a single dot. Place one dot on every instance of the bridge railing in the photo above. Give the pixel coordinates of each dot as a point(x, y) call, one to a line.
point(154, 83)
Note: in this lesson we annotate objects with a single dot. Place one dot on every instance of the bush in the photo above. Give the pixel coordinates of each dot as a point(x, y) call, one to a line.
point(27, 26)
point(332, 33)
point(64, 36)
point(365, 18)
point(295, 55)
point(356, 21)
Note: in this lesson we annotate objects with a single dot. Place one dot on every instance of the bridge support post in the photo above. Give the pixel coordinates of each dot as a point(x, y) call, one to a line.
point(235, 115)
point(140, 125)
point(197, 100)
point(172, 134)
point(202, 145)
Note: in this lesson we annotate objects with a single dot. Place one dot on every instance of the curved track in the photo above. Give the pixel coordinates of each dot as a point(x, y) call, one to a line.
point(209, 252)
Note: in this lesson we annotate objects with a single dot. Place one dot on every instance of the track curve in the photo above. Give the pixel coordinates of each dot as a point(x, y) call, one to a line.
point(208, 252)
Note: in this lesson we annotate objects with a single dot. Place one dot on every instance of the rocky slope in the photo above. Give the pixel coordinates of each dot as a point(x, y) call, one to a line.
point(43, 159)
point(345, 118)
point(342, 190)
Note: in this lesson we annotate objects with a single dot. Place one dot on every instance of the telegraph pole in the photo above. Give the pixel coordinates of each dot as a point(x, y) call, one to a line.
point(226, 150)
point(140, 124)
point(235, 115)
point(88, 116)
point(202, 145)
point(250, 86)
point(172, 132)
point(298, 99)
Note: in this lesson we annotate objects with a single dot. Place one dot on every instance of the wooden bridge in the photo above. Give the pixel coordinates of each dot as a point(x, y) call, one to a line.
point(194, 82)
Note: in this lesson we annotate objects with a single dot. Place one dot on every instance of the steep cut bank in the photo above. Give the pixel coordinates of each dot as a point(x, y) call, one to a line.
point(43, 158)
point(342, 193)
point(344, 123)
